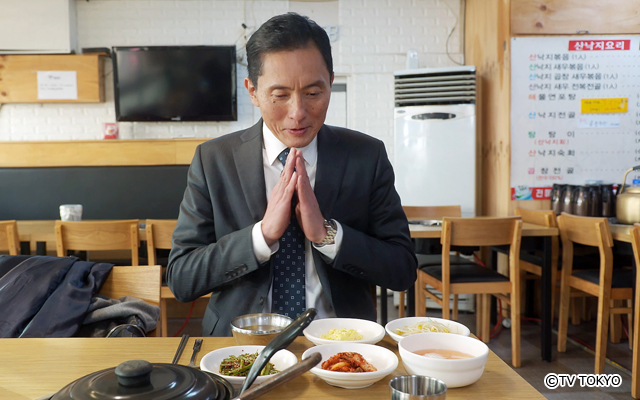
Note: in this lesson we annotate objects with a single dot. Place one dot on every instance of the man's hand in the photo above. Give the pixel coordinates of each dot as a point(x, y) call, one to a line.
point(307, 210)
point(276, 218)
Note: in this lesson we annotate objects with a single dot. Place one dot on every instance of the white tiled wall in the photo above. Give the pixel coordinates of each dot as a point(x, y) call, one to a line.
point(373, 39)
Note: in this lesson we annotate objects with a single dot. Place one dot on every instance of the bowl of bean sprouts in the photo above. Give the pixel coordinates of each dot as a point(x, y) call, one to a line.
point(402, 327)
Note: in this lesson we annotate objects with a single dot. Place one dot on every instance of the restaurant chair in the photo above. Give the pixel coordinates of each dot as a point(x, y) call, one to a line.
point(635, 368)
point(431, 213)
point(140, 281)
point(544, 218)
point(605, 283)
point(159, 233)
point(473, 278)
point(9, 240)
point(98, 235)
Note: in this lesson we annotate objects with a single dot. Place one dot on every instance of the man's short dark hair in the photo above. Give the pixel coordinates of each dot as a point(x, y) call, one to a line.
point(289, 31)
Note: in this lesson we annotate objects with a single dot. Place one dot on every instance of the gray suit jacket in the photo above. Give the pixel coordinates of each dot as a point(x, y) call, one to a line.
point(225, 196)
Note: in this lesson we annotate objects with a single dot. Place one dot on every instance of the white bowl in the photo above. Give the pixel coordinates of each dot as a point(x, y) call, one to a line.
point(371, 332)
point(210, 362)
point(383, 359)
point(453, 326)
point(454, 373)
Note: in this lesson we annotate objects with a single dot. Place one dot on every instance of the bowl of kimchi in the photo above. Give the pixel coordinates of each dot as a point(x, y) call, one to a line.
point(352, 365)
point(403, 327)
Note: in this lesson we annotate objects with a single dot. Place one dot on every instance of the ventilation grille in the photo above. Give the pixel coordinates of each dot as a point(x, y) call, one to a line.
point(442, 86)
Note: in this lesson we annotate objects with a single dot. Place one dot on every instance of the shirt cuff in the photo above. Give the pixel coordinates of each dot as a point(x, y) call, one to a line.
point(331, 250)
point(261, 249)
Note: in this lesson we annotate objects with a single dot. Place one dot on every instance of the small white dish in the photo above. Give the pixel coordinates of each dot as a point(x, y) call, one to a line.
point(383, 359)
point(454, 373)
point(371, 332)
point(210, 362)
point(453, 326)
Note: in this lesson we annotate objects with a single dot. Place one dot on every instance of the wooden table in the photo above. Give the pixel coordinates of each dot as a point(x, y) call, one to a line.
point(546, 284)
point(32, 368)
point(40, 235)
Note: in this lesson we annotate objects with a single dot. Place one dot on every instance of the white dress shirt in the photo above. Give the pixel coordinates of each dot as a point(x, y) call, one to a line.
point(314, 293)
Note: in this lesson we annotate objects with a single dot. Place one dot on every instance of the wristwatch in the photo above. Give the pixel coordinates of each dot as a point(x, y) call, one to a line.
point(332, 230)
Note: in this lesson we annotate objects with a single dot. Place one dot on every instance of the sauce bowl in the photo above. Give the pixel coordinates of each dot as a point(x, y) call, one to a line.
point(454, 373)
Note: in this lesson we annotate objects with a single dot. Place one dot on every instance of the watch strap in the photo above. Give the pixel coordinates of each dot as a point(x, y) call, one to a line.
point(332, 230)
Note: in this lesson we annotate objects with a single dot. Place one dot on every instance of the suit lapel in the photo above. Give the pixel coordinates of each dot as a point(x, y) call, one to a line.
point(248, 160)
point(332, 160)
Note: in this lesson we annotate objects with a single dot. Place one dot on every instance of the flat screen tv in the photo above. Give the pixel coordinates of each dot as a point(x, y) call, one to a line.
point(175, 83)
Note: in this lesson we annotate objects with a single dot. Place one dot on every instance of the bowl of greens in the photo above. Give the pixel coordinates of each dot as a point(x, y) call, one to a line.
point(233, 363)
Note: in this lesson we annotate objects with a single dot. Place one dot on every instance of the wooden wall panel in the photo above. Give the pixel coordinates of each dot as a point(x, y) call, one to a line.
point(98, 153)
point(19, 82)
point(487, 47)
point(573, 16)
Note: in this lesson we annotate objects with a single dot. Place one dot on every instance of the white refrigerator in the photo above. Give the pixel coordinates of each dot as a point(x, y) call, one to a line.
point(435, 137)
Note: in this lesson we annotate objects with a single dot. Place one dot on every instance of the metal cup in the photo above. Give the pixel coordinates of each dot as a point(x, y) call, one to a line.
point(417, 387)
point(71, 212)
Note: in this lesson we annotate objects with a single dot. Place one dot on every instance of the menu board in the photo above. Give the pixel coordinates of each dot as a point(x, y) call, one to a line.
point(575, 111)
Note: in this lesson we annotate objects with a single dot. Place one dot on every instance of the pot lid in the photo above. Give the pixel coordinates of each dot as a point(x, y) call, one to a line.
point(633, 189)
point(138, 379)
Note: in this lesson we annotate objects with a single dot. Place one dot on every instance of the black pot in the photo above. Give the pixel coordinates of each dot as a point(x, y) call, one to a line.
point(141, 380)
point(138, 379)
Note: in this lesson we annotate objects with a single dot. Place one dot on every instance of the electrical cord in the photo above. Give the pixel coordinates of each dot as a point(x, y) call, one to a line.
point(451, 33)
point(186, 320)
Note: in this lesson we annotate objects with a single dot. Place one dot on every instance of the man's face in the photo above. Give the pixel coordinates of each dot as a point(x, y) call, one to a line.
point(293, 94)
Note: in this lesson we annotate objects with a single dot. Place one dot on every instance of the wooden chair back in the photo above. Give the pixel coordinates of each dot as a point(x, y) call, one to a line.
point(431, 212)
point(98, 235)
point(635, 243)
point(538, 217)
point(159, 232)
point(9, 240)
point(588, 231)
point(140, 281)
point(635, 369)
point(481, 231)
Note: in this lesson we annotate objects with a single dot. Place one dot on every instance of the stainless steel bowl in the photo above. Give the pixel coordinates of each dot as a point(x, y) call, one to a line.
point(417, 387)
point(258, 329)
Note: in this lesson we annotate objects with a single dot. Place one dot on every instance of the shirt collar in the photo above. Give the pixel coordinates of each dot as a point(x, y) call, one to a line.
point(274, 147)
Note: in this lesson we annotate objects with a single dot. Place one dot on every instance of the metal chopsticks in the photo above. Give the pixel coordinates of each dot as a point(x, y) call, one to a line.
point(183, 343)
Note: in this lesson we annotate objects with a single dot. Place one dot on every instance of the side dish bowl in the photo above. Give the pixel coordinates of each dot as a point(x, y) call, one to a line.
point(258, 329)
point(453, 326)
point(383, 359)
point(210, 362)
point(371, 332)
point(454, 373)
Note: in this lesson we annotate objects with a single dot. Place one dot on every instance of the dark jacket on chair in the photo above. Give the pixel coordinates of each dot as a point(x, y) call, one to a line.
point(44, 296)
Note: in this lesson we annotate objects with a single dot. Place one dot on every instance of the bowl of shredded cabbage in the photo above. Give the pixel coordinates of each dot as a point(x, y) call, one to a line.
point(341, 330)
point(403, 327)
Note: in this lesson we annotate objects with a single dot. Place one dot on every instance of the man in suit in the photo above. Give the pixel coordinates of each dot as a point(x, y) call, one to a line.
point(333, 223)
